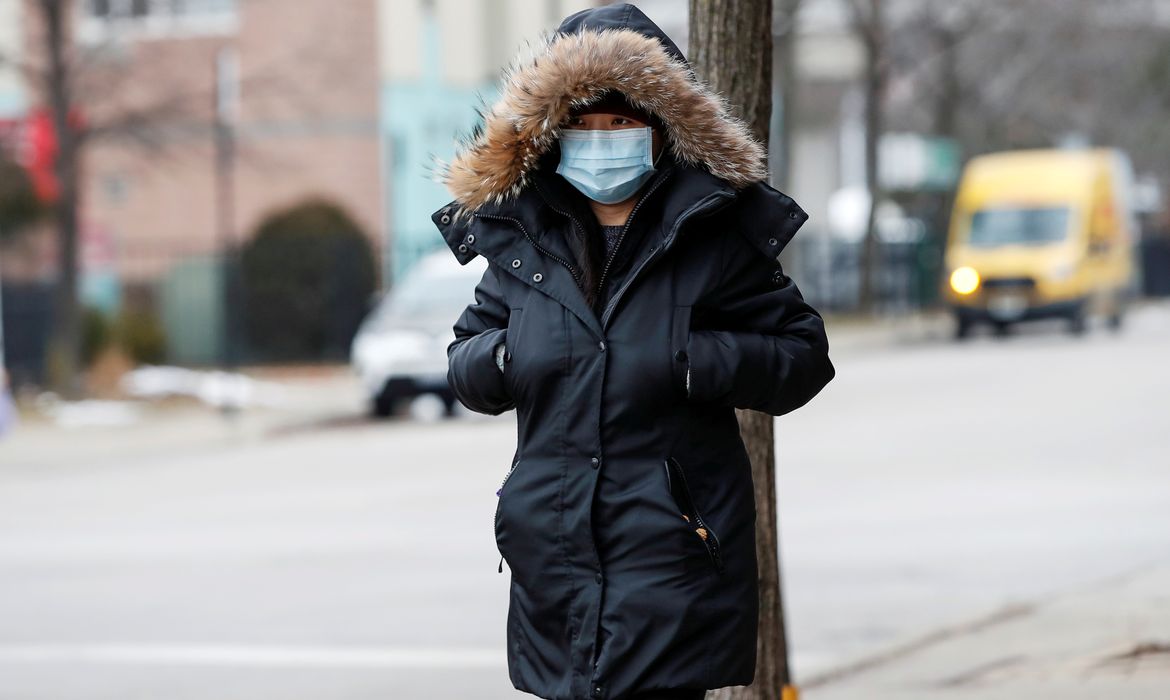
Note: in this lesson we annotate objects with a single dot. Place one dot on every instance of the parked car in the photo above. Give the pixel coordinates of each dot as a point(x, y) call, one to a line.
point(400, 349)
point(1042, 233)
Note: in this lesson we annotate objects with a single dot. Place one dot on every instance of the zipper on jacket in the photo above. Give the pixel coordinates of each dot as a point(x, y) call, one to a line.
point(629, 219)
point(694, 517)
point(572, 270)
point(697, 208)
point(500, 494)
point(568, 215)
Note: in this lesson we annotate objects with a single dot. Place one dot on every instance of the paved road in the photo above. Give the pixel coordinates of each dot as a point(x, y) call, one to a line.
point(930, 484)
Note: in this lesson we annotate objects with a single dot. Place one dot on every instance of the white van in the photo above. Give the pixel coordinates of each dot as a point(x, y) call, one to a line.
point(400, 349)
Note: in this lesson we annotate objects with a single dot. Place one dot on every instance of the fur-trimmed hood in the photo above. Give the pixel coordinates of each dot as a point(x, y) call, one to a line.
point(615, 47)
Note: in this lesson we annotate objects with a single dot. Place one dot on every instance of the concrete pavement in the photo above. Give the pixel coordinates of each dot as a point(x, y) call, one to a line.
point(1111, 640)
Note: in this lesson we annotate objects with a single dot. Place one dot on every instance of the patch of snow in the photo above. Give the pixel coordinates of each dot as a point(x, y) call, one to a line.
point(89, 412)
point(214, 388)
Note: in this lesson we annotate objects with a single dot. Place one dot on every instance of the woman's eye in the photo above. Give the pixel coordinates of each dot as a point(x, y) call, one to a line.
point(621, 121)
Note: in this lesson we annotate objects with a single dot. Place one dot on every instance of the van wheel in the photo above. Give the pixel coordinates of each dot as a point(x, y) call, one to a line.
point(382, 406)
point(962, 328)
point(1002, 329)
point(1116, 317)
point(1077, 323)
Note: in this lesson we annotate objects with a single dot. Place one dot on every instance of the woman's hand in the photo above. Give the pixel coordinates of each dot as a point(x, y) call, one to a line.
point(500, 356)
point(777, 358)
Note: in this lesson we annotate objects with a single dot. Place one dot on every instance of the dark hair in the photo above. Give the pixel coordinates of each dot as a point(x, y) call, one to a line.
point(615, 102)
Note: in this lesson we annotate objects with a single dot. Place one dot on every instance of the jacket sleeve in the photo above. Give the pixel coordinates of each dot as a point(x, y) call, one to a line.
point(770, 352)
point(471, 365)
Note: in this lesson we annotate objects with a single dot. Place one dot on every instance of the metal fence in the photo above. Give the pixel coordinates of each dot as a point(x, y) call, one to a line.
point(183, 298)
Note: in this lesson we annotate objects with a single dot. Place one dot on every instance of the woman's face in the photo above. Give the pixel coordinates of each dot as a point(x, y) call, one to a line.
point(604, 120)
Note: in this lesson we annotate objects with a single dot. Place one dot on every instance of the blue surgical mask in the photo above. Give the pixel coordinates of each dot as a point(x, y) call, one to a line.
point(607, 165)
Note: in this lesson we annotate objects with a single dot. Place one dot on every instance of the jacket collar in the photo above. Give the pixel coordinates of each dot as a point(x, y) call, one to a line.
point(530, 217)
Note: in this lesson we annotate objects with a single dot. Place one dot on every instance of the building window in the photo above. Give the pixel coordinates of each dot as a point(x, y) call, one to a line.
point(103, 20)
point(127, 9)
point(97, 8)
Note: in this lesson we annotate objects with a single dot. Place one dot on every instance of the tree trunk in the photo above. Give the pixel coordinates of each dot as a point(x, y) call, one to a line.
point(870, 23)
point(731, 49)
point(65, 345)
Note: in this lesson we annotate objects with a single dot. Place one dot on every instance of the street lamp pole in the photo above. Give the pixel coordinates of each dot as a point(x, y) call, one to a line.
point(226, 100)
point(3, 365)
point(7, 409)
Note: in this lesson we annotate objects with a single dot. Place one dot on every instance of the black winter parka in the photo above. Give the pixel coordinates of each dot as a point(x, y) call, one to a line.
point(627, 515)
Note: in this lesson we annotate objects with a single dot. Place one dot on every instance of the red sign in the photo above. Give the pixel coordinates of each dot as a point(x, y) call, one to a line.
point(32, 141)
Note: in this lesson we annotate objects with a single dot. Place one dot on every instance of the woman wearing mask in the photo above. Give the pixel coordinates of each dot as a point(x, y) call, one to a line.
point(632, 301)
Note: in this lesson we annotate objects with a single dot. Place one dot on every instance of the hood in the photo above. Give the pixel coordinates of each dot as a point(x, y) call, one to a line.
point(612, 47)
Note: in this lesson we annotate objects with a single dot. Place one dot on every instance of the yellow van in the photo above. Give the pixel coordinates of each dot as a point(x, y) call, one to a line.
point(1038, 234)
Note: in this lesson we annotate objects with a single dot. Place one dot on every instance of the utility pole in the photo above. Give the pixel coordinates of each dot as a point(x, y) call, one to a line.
point(226, 102)
point(730, 47)
point(7, 407)
point(3, 365)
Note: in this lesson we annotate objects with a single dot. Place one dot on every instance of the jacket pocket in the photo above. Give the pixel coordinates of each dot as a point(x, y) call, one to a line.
point(680, 330)
point(680, 491)
point(499, 504)
point(511, 340)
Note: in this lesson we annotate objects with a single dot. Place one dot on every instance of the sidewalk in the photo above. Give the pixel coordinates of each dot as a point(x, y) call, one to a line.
point(850, 334)
point(1112, 641)
point(305, 397)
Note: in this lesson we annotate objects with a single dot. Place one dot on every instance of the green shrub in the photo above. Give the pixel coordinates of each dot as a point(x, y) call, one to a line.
point(141, 335)
point(306, 276)
point(96, 334)
point(19, 205)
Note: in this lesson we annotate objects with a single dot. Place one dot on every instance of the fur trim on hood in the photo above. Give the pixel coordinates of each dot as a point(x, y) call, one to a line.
point(571, 69)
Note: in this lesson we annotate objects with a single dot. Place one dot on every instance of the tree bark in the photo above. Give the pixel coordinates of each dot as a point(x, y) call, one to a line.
point(731, 49)
point(730, 44)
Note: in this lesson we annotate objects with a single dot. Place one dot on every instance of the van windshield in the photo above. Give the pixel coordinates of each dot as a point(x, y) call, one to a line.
point(1018, 226)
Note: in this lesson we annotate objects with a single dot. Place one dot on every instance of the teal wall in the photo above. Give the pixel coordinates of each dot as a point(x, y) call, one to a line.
point(12, 104)
point(421, 121)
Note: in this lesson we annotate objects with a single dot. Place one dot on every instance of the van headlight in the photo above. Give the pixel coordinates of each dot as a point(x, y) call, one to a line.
point(964, 280)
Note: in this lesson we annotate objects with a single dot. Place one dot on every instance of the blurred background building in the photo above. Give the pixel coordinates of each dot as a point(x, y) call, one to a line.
point(298, 92)
point(209, 121)
point(208, 117)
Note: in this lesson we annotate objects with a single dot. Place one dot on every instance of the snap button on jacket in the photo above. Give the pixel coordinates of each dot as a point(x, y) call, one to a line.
point(627, 516)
